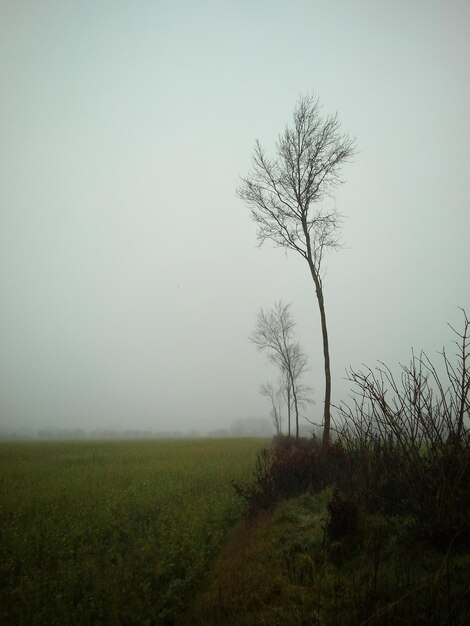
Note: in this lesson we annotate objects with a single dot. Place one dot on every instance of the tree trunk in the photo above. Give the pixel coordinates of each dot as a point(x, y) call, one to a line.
point(296, 407)
point(326, 355)
point(288, 411)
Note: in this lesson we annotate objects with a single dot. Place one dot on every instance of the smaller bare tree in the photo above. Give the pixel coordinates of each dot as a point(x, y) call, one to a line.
point(274, 334)
point(286, 390)
point(303, 394)
point(275, 398)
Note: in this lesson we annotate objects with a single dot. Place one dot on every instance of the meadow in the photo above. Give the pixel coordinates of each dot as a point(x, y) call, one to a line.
point(113, 532)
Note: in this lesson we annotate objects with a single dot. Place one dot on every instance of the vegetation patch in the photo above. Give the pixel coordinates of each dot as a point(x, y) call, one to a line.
point(371, 529)
point(292, 567)
point(116, 532)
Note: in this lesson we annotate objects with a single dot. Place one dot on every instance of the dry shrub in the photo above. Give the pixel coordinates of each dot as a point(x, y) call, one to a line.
point(408, 442)
point(290, 468)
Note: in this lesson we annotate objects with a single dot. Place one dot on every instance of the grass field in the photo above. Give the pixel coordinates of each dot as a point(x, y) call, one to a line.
point(115, 532)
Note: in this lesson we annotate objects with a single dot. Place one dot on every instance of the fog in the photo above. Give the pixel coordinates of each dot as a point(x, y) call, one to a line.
point(130, 276)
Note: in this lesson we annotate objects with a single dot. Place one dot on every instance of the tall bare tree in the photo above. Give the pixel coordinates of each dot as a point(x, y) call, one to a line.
point(286, 197)
point(273, 334)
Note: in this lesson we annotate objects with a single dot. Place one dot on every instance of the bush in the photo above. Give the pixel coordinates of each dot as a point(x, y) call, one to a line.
point(343, 516)
point(290, 468)
point(408, 442)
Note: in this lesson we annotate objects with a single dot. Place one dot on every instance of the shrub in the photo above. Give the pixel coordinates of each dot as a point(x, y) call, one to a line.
point(290, 468)
point(408, 442)
point(343, 516)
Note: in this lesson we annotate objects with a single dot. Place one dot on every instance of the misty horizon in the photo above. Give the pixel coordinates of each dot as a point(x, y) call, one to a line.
point(130, 276)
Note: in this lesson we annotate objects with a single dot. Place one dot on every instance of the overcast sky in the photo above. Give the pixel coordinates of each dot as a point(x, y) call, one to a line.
point(130, 276)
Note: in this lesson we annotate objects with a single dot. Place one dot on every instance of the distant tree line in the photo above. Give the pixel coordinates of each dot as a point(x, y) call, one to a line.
point(240, 427)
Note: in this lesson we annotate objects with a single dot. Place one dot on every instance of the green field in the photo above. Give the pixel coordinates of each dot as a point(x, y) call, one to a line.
point(117, 532)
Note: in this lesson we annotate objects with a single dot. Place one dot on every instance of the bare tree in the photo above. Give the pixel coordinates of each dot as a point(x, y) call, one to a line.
point(303, 392)
point(286, 389)
point(285, 196)
point(274, 334)
point(275, 398)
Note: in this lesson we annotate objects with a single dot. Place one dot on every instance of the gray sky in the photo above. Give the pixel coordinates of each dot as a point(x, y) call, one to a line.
point(129, 273)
